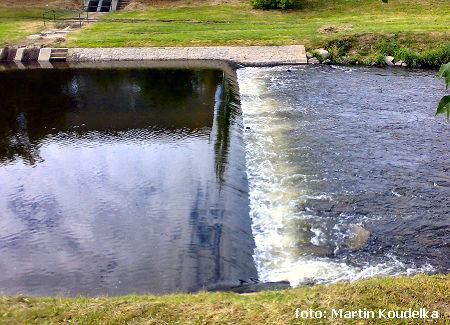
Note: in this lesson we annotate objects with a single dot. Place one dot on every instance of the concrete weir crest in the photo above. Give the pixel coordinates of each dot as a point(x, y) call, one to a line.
point(246, 55)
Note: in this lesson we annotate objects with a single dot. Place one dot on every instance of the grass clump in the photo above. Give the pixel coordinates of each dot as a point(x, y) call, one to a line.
point(372, 48)
point(427, 58)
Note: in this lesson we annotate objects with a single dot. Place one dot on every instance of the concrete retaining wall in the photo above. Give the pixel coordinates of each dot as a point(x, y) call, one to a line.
point(249, 55)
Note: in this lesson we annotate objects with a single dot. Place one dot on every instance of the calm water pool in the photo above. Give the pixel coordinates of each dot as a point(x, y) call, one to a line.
point(121, 180)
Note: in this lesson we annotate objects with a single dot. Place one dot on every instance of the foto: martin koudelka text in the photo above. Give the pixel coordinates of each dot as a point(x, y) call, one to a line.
point(364, 313)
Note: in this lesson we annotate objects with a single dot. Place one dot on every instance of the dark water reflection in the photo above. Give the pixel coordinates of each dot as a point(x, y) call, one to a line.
point(120, 181)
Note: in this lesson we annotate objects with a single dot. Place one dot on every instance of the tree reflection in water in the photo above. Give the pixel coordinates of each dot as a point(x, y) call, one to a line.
point(134, 176)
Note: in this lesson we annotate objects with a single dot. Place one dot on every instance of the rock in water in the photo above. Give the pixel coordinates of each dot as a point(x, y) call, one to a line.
point(324, 53)
point(358, 237)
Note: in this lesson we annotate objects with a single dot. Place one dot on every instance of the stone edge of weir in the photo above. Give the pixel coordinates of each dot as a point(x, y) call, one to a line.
point(246, 55)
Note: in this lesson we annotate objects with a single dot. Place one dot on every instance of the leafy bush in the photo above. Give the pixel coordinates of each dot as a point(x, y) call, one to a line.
point(274, 4)
point(355, 59)
point(379, 59)
point(339, 48)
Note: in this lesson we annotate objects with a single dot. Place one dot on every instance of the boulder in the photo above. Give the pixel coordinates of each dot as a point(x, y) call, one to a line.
point(389, 60)
point(399, 63)
point(358, 237)
point(404, 64)
point(309, 55)
point(313, 61)
point(327, 61)
point(324, 53)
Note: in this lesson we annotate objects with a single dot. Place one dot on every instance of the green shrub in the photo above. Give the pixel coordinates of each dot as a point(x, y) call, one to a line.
point(379, 59)
point(339, 48)
point(355, 59)
point(428, 58)
point(274, 4)
point(435, 57)
point(387, 47)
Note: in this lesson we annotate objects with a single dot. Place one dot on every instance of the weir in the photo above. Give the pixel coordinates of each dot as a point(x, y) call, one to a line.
point(245, 55)
point(337, 173)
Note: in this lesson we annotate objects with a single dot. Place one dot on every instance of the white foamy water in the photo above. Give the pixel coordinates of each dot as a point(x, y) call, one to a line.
point(293, 243)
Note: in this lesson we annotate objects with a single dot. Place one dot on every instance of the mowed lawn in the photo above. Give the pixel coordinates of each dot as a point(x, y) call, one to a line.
point(424, 24)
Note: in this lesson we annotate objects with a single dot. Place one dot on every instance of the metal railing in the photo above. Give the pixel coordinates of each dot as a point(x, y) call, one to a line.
point(62, 15)
point(82, 14)
point(49, 12)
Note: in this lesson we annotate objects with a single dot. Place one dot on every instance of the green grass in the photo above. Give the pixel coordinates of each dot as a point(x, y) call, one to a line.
point(18, 22)
point(270, 307)
point(239, 24)
point(416, 31)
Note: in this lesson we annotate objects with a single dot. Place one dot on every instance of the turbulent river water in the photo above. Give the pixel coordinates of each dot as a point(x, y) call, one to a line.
point(348, 170)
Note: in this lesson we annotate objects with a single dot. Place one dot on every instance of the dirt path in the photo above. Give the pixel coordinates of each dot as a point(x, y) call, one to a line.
point(55, 36)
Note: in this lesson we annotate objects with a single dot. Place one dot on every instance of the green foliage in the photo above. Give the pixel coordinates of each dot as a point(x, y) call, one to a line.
point(434, 57)
point(274, 4)
point(444, 72)
point(427, 58)
point(444, 106)
point(339, 48)
point(355, 59)
point(379, 59)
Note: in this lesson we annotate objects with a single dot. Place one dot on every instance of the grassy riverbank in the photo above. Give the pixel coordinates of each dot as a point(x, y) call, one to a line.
point(271, 307)
point(415, 31)
point(317, 22)
point(365, 31)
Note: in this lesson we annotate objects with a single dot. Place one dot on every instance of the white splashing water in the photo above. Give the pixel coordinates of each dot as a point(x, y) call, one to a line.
point(275, 193)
